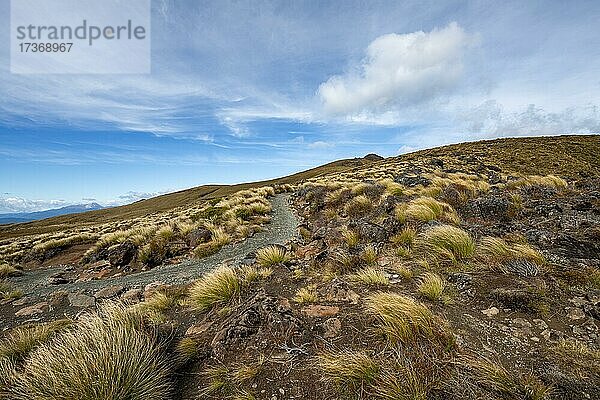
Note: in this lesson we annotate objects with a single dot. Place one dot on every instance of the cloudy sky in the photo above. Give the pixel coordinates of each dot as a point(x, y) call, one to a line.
point(249, 90)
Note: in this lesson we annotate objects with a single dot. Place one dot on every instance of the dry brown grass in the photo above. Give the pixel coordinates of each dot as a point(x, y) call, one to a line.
point(218, 287)
point(112, 344)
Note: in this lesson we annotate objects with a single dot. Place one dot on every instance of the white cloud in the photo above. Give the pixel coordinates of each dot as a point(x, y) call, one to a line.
point(20, 204)
point(399, 69)
point(491, 119)
point(319, 144)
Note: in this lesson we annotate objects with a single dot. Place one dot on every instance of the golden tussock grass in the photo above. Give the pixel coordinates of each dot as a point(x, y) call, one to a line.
point(358, 206)
point(370, 276)
point(347, 369)
point(495, 377)
point(403, 320)
point(425, 209)
point(369, 254)
point(272, 255)
point(107, 355)
point(350, 237)
point(431, 286)
point(495, 252)
point(7, 270)
point(218, 287)
point(447, 243)
point(306, 295)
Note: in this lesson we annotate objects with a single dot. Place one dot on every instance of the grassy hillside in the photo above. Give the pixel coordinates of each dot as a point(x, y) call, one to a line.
point(166, 202)
point(469, 271)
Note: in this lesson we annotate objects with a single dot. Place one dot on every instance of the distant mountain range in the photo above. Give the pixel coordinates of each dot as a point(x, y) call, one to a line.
point(13, 218)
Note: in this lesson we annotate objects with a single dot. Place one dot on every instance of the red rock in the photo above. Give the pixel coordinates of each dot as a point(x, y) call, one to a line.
point(316, 310)
point(38, 308)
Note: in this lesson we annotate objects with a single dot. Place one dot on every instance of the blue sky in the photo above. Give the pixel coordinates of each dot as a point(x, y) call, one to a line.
point(249, 90)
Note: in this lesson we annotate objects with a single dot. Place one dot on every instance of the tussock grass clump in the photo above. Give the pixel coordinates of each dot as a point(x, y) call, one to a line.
point(431, 286)
point(358, 206)
point(335, 197)
point(45, 246)
point(497, 252)
point(537, 180)
point(350, 237)
point(403, 320)
point(306, 295)
point(7, 270)
point(392, 188)
point(215, 288)
point(369, 255)
point(252, 274)
point(226, 381)
point(272, 255)
point(447, 242)
point(371, 276)
point(425, 209)
point(405, 238)
point(493, 376)
point(577, 357)
point(186, 349)
point(108, 355)
point(22, 340)
point(347, 369)
point(9, 292)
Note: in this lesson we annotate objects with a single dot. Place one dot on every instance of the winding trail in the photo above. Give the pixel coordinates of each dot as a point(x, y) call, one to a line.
point(280, 230)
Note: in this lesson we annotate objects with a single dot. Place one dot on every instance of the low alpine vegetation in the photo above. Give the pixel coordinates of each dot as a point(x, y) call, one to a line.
point(497, 253)
point(7, 270)
point(371, 276)
point(348, 370)
point(447, 243)
point(272, 255)
point(215, 288)
point(402, 319)
point(431, 286)
point(425, 209)
point(113, 344)
point(358, 206)
point(306, 295)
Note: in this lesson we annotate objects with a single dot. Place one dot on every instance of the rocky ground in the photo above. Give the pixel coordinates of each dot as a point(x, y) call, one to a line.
point(444, 276)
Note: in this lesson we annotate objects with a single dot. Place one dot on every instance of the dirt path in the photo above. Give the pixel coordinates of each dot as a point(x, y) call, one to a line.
point(280, 230)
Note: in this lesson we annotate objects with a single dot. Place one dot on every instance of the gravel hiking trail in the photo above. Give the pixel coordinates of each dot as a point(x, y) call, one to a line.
point(280, 230)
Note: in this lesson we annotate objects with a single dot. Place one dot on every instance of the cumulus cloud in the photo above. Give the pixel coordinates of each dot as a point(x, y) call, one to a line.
point(399, 69)
point(490, 118)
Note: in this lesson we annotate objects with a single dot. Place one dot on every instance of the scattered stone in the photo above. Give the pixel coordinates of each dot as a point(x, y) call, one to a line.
point(109, 292)
point(535, 339)
point(546, 334)
point(199, 329)
point(490, 312)
point(59, 298)
point(521, 323)
point(332, 328)
point(132, 296)
point(574, 313)
point(102, 274)
point(22, 301)
point(152, 288)
point(98, 265)
point(57, 279)
point(121, 254)
point(81, 300)
point(540, 324)
point(316, 310)
point(38, 308)
point(198, 236)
